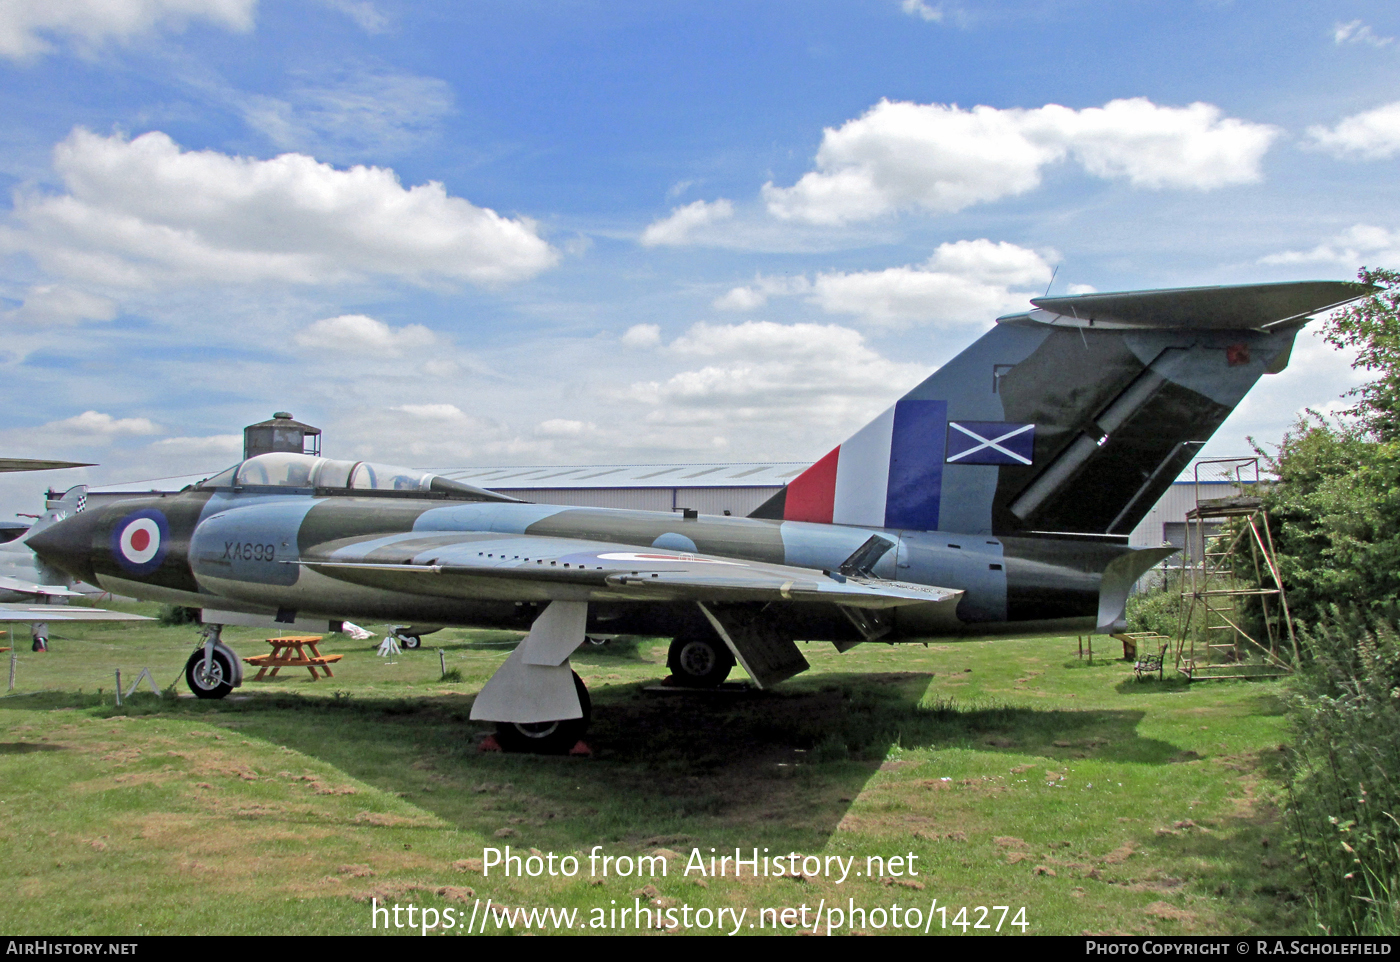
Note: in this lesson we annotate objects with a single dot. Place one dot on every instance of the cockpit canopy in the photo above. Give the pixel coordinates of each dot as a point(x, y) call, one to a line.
point(305, 471)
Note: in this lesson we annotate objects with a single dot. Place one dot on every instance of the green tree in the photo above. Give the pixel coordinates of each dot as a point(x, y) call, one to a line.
point(1336, 504)
point(1335, 512)
point(1372, 326)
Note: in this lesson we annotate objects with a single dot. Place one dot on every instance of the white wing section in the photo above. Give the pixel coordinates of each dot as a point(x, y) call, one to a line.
point(32, 613)
point(37, 592)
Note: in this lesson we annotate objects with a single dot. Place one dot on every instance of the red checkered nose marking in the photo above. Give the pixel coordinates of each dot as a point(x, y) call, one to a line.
point(140, 541)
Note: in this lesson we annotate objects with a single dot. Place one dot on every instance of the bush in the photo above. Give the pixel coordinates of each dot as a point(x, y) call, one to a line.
point(1157, 609)
point(171, 615)
point(1335, 514)
point(1345, 787)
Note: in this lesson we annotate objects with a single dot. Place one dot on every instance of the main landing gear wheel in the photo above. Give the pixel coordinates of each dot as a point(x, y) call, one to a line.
point(699, 662)
point(214, 680)
point(410, 641)
point(547, 738)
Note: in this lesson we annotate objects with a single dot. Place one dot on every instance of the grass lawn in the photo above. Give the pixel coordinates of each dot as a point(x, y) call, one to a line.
point(1016, 774)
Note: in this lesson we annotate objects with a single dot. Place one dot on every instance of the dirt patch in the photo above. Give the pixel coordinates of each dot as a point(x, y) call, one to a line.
point(385, 820)
point(1169, 912)
point(1119, 855)
point(1163, 884)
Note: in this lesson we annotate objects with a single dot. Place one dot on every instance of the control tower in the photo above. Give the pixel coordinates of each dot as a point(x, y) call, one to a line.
point(280, 434)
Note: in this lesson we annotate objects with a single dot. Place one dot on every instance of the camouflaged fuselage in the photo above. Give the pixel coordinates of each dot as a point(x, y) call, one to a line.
point(246, 551)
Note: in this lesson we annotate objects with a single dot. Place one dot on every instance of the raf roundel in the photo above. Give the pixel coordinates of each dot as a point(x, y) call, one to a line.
point(139, 541)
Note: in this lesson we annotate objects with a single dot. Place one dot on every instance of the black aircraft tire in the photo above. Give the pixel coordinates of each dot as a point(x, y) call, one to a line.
point(410, 641)
point(220, 681)
point(699, 662)
point(547, 738)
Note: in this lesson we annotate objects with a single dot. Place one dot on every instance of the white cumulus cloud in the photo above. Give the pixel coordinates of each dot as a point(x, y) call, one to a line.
point(359, 334)
point(231, 444)
point(965, 281)
point(684, 221)
point(642, 335)
point(1369, 135)
point(762, 372)
point(755, 295)
point(137, 212)
point(942, 158)
point(1357, 246)
point(48, 305)
point(98, 423)
point(25, 23)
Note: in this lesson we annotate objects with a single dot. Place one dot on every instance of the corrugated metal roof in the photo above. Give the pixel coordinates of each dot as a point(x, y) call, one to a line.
point(153, 484)
point(745, 474)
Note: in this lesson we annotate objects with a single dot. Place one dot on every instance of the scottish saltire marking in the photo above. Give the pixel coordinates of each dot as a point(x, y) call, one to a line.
point(990, 442)
point(140, 540)
point(914, 491)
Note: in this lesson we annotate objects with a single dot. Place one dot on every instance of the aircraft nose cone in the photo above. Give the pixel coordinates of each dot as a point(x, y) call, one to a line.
point(67, 544)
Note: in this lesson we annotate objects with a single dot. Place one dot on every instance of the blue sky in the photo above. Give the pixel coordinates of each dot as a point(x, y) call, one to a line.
point(554, 232)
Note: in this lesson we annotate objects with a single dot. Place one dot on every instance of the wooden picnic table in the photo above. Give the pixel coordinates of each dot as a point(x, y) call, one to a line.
point(293, 651)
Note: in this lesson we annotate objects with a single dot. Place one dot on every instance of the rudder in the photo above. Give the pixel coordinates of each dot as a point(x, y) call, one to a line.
point(1073, 417)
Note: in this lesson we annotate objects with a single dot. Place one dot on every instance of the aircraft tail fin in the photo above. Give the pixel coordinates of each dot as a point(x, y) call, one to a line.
point(1073, 417)
point(73, 501)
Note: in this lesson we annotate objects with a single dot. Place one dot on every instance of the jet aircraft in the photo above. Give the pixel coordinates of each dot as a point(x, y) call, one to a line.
point(28, 601)
point(995, 498)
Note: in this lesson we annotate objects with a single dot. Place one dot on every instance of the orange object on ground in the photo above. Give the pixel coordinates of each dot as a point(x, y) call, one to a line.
point(292, 652)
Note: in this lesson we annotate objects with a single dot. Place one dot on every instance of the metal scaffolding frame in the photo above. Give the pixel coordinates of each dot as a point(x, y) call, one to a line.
point(1235, 566)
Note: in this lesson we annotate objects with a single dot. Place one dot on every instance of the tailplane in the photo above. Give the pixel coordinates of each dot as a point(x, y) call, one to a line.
point(74, 501)
point(1073, 417)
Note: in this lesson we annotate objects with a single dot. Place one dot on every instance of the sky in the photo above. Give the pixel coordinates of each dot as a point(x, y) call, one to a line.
point(529, 232)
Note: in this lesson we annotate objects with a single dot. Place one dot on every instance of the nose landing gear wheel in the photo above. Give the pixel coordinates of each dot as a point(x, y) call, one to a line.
point(214, 680)
point(699, 662)
point(550, 737)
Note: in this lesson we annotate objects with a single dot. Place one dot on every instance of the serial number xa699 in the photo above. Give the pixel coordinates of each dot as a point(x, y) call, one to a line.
point(248, 551)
